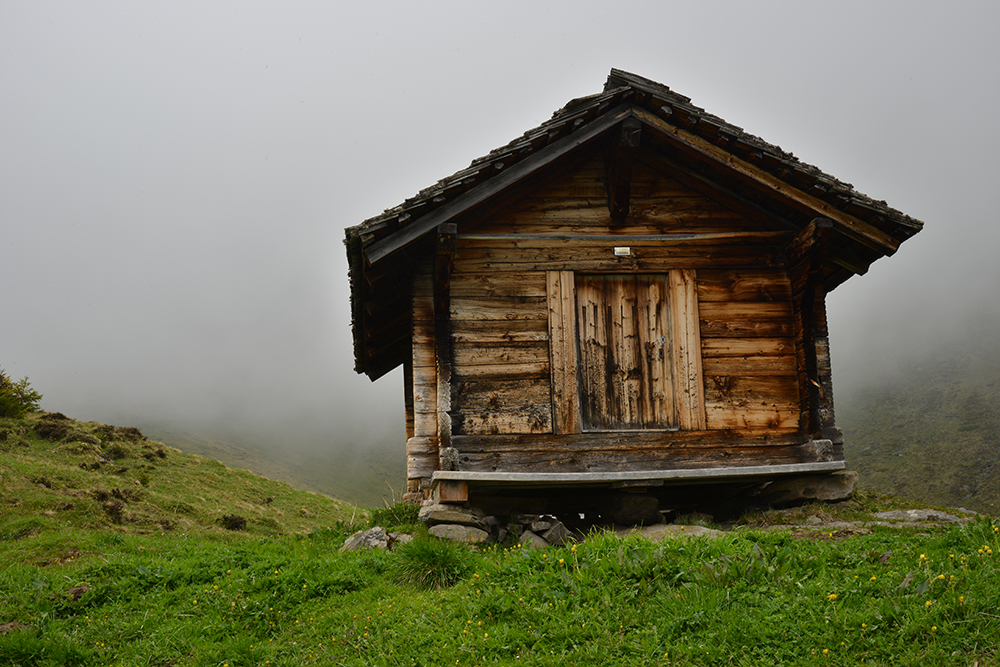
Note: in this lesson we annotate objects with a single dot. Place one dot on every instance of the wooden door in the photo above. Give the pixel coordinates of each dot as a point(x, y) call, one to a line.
point(625, 352)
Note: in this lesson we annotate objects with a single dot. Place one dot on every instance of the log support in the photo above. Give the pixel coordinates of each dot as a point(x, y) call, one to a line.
point(806, 254)
point(621, 157)
point(444, 262)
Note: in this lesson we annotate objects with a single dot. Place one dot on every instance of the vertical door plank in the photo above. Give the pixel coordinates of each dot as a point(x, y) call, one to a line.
point(563, 351)
point(592, 334)
point(688, 391)
point(658, 401)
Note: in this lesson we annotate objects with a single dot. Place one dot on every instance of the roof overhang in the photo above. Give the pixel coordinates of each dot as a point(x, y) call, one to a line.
point(720, 160)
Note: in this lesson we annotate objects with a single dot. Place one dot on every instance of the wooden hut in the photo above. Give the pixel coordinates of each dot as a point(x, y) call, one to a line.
point(632, 293)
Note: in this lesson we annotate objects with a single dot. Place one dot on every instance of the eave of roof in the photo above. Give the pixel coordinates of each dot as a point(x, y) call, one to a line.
point(370, 243)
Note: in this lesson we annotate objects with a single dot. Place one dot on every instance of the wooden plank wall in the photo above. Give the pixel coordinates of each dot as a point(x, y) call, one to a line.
point(502, 387)
point(748, 349)
point(577, 204)
point(501, 373)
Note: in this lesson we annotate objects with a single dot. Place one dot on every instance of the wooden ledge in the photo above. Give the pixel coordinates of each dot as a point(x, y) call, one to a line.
point(653, 477)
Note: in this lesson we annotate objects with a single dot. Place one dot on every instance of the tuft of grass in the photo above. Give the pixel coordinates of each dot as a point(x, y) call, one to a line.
point(397, 517)
point(431, 563)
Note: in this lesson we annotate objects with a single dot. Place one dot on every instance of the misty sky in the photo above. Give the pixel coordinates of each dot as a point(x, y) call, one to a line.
point(175, 177)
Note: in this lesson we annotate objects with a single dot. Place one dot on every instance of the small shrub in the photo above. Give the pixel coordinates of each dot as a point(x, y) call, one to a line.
point(17, 398)
point(116, 450)
point(130, 433)
point(52, 429)
point(432, 563)
point(233, 522)
point(115, 510)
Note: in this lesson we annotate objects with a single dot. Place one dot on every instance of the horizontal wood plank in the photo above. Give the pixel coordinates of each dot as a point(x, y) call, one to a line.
point(746, 389)
point(482, 354)
point(530, 284)
point(500, 309)
point(745, 319)
point(497, 243)
point(511, 371)
point(499, 331)
point(499, 395)
point(653, 261)
point(743, 285)
point(625, 441)
point(603, 460)
point(765, 365)
point(526, 419)
point(747, 347)
point(751, 415)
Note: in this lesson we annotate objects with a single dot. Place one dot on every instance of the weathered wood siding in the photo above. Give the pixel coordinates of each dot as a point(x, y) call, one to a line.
point(577, 204)
point(725, 392)
point(748, 350)
point(501, 373)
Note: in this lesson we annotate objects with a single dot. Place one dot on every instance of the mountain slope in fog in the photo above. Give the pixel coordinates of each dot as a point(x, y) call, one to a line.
point(931, 432)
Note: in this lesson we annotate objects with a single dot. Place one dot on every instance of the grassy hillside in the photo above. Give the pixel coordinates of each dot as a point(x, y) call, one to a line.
point(931, 431)
point(120, 551)
point(362, 470)
point(58, 472)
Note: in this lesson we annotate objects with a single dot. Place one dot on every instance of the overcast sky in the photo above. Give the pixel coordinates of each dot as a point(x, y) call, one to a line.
point(175, 177)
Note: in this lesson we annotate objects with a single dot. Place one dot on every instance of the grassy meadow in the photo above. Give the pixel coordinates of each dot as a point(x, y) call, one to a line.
point(125, 552)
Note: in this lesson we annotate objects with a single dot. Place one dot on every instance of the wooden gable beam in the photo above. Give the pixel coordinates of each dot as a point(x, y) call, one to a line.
point(379, 250)
point(853, 227)
point(621, 157)
point(715, 191)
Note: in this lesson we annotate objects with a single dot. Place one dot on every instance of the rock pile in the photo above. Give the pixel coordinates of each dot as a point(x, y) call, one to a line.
point(472, 526)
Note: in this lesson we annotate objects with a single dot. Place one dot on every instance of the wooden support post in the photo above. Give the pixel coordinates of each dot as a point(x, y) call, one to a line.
point(408, 395)
point(805, 254)
point(451, 491)
point(422, 449)
point(621, 156)
point(444, 260)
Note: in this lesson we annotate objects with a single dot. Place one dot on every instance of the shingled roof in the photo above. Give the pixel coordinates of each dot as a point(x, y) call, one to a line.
point(759, 176)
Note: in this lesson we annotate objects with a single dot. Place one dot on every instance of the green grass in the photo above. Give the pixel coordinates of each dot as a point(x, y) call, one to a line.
point(80, 588)
point(888, 597)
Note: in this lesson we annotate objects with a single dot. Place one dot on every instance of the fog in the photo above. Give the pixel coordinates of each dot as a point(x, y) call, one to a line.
point(175, 178)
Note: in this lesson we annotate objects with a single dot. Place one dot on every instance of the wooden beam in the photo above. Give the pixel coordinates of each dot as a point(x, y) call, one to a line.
point(621, 156)
point(661, 475)
point(810, 240)
point(841, 255)
point(809, 304)
point(855, 228)
point(591, 240)
point(715, 191)
point(628, 441)
point(444, 261)
point(379, 250)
